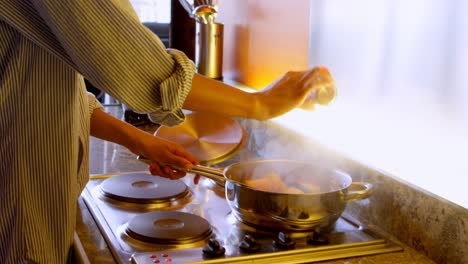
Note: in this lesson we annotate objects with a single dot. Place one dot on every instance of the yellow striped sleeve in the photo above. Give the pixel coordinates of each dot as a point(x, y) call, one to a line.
point(113, 50)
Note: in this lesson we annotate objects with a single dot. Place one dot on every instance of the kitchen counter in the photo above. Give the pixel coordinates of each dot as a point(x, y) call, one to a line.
point(271, 140)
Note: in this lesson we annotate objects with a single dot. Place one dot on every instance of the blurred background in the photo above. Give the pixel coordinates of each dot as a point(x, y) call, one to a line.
point(401, 68)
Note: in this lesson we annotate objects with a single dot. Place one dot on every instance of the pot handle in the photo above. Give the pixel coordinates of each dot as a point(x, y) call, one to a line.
point(358, 191)
point(214, 174)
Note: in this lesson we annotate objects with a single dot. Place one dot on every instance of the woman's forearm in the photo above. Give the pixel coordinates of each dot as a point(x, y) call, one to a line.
point(208, 95)
point(290, 91)
point(109, 128)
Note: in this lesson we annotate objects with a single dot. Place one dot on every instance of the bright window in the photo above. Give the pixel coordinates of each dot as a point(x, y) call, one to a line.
point(153, 10)
point(401, 70)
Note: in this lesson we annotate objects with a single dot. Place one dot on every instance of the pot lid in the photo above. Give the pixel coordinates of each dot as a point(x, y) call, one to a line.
point(210, 138)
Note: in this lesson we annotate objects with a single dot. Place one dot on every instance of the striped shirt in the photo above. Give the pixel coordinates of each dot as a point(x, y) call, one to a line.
point(46, 47)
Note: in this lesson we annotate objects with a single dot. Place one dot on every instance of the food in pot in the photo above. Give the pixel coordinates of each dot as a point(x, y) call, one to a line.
point(272, 182)
point(309, 187)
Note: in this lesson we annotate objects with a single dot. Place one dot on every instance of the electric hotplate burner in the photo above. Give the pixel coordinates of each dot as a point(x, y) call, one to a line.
point(169, 228)
point(141, 189)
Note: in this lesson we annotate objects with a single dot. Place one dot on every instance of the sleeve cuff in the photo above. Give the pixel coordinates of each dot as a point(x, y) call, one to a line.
point(174, 91)
point(93, 103)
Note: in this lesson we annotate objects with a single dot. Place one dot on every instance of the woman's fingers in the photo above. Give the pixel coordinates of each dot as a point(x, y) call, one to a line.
point(165, 171)
point(184, 159)
point(309, 103)
point(173, 174)
point(185, 154)
point(318, 88)
point(168, 159)
point(170, 173)
point(316, 78)
point(155, 169)
point(196, 179)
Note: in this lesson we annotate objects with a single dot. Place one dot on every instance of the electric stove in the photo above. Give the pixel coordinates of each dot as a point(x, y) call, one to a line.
point(150, 219)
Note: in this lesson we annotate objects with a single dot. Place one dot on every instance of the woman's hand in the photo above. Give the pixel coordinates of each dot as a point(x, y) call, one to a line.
point(161, 151)
point(157, 150)
point(292, 90)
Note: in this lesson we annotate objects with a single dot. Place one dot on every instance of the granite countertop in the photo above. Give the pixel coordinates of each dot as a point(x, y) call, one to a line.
point(107, 158)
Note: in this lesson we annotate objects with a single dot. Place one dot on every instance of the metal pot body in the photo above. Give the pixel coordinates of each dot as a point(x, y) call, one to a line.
point(285, 211)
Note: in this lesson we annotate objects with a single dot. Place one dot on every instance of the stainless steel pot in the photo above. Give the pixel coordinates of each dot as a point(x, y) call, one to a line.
point(285, 211)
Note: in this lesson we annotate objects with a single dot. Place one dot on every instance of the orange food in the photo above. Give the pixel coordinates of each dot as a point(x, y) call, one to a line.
point(272, 182)
point(269, 183)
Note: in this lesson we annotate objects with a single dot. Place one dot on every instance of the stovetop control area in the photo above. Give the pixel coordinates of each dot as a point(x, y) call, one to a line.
point(149, 219)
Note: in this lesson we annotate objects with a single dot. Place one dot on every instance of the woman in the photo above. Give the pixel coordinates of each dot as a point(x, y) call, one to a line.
point(46, 116)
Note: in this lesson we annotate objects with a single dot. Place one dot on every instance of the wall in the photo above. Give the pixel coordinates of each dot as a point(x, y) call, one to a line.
point(263, 39)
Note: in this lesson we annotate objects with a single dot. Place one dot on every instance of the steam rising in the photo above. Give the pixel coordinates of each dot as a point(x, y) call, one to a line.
point(308, 169)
